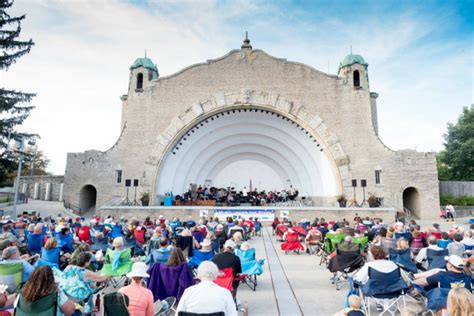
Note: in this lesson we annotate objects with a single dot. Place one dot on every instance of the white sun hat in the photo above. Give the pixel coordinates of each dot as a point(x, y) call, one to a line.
point(138, 270)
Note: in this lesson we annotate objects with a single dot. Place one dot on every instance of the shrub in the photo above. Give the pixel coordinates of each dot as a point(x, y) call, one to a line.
point(457, 200)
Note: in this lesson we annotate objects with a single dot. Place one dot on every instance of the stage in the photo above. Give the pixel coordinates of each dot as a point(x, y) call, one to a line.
point(266, 213)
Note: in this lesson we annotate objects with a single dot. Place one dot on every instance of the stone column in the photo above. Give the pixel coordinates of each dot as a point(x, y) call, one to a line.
point(61, 192)
point(36, 191)
point(47, 194)
point(24, 187)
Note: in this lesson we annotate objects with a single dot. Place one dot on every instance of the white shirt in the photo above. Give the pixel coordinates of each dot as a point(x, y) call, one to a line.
point(205, 298)
point(422, 257)
point(383, 266)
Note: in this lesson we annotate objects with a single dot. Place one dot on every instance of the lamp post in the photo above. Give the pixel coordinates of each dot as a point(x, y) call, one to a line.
point(19, 145)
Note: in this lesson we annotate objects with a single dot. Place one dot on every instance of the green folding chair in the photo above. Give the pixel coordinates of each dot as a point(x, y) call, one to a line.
point(362, 241)
point(45, 306)
point(11, 274)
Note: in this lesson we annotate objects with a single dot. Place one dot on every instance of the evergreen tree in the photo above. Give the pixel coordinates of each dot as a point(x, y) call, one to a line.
point(12, 109)
point(456, 161)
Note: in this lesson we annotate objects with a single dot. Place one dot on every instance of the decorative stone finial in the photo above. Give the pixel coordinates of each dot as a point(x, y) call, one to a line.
point(246, 43)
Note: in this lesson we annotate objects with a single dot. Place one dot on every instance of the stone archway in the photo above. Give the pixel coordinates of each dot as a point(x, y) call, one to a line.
point(88, 198)
point(310, 124)
point(411, 200)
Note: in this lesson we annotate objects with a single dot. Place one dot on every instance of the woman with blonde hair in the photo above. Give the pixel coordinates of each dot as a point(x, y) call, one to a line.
point(402, 244)
point(460, 302)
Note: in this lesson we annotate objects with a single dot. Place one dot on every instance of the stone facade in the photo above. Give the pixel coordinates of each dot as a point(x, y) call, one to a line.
point(46, 188)
point(340, 115)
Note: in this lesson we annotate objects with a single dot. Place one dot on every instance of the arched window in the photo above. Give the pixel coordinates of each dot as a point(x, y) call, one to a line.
point(356, 79)
point(140, 81)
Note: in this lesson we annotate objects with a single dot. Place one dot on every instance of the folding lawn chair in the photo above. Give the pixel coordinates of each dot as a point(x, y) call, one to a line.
point(117, 266)
point(250, 267)
point(346, 261)
point(292, 243)
point(11, 274)
point(386, 289)
point(198, 257)
point(330, 242)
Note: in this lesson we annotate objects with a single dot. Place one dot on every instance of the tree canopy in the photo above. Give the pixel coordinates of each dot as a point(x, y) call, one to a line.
point(456, 161)
point(13, 110)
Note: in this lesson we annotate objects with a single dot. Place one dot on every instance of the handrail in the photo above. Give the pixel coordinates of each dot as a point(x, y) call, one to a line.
point(75, 208)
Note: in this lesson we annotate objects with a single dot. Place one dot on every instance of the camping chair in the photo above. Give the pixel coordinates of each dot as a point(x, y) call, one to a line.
point(139, 235)
point(154, 244)
point(442, 243)
point(402, 258)
point(49, 257)
point(65, 242)
point(362, 241)
point(11, 274)
point(330, 242)
point(251, 267)
point(292, 243)
point(115, 304)
point(198, 235)
point(437, 298)
point(416, 245)
point(404, 235)
point(35, 243)
point(116, 231)
point(186, 244)
point(44, 306)
point(99, 244)
point(166, 281)
point(436, 258)
point(313, 243)
point(280, 230)
point(198, 257)
point(226, 278)
point(257, 229)
point(117, 267)
point(158, 255)
point(346, 261)
point(386, 288)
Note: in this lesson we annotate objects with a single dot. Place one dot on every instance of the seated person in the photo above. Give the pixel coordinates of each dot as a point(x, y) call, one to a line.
point(161, 254)
point(206, 297)
point(456, 247)
point(421, 257)
point(12, 254)
point(354, 308)
point(140, 298)
point(454, 270)
point(378, 263)
point(346, 245)
point(227, 259)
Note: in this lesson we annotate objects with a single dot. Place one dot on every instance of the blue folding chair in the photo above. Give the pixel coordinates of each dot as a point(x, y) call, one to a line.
point(436, 258)
point(116, 232)
point(35, 243)
point(403, 259)
point(250, 266)
point(438, 297)
point(405, 235)
point(387, 288)
point(65, 242)
point(49, 257)
point(198, 257)
point(158, 255)
point(444, 243)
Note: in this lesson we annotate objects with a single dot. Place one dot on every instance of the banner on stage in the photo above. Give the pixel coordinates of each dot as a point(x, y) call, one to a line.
point(203, 213)
point(262, 215)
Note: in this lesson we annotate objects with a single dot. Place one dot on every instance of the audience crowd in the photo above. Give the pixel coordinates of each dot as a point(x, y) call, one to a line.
point(74, 266)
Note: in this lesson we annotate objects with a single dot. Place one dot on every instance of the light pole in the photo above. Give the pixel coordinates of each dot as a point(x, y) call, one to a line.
point(19, 145)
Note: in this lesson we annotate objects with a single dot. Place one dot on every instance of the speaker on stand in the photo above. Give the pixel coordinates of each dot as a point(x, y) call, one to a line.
point(354, 186)
point(128, 183)
point(363, 184)
point(135, 185)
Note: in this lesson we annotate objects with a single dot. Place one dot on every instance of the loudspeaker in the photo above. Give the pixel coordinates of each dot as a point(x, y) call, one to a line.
point(354, 183)
point(363, 183)
point(128, 182)
point(135, 182)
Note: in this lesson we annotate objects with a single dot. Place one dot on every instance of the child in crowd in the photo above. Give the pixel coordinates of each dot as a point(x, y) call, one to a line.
point(354, 309)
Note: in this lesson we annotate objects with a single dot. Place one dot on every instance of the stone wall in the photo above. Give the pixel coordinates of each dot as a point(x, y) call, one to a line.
point(47, 188)
point(341, 117)
point(295, 213)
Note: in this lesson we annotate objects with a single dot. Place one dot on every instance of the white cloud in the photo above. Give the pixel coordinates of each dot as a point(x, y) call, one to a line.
point(79, 65)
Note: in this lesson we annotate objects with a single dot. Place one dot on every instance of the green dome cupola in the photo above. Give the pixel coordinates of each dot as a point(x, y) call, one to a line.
point(352, 59)
point(144, 62)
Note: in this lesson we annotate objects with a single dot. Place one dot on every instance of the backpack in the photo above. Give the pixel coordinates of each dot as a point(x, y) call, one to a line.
point(45, 306)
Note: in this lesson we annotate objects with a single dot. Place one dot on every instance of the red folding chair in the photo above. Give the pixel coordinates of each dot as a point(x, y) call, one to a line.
point(226, 278)
point(292, 243)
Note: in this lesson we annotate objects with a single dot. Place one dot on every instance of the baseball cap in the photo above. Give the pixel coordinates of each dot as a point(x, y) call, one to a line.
point(455, 261)
point(230, 244)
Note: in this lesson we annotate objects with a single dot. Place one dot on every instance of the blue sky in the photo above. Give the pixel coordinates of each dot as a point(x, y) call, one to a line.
point(420, 57)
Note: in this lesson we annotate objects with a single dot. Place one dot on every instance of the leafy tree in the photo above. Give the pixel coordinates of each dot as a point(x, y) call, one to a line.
point(456, 161)
point(12, 109)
